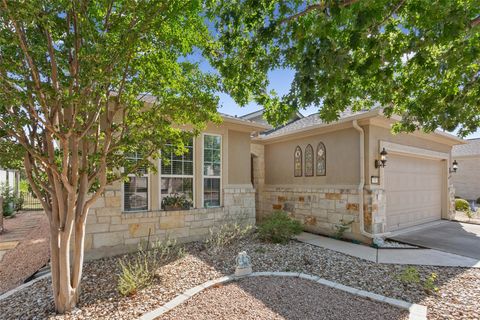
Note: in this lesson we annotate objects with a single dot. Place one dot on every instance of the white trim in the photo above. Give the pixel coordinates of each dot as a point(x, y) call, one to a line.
point(412, 151)
point(203, 167)
point(160, 175)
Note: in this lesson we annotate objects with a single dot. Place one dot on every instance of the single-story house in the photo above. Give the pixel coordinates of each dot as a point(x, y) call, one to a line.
point(467, 178)
point(323, 174)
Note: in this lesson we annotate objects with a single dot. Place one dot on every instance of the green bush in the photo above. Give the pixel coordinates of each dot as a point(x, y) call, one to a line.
point(226, 235)
point(11, 202)
point(139, 271)
point(409, 275)
point(279, 227)
point(462, 205)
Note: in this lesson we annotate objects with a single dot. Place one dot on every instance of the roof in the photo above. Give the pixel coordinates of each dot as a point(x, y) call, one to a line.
point(260, 113)
point(471, 148)
point(234, 119)
point(306, 122)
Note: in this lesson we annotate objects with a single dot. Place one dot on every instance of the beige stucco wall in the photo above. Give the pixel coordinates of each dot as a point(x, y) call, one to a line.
point(466, 180)
point(342, 149)
point(239, 157)
point(375, 134)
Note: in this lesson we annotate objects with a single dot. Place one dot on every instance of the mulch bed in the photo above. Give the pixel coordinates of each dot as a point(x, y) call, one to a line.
point(456, 298)
point(281, 298)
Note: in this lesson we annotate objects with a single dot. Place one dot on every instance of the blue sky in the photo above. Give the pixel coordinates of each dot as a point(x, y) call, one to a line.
point(280, 81)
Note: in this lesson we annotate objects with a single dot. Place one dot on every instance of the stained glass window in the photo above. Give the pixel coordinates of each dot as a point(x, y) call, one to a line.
point(321, 160)
point(309, 161)
point(298, 162)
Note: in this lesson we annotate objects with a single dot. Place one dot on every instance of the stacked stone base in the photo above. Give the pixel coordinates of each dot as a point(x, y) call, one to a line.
point(111, 232)
point(320, 210)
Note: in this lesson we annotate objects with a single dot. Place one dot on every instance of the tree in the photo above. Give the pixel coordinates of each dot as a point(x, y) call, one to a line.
point(77, 80)
point(415, 58)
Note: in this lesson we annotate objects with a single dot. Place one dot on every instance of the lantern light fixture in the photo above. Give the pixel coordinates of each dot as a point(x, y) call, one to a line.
point(383, 159)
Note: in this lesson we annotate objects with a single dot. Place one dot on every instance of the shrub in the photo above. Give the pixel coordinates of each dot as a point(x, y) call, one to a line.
point(279, 227)
point(11, 202)
point(429, 283)
point(226, 235)
point(462, 205)
point(139, 271)
point(341, 228)
point(409, 275)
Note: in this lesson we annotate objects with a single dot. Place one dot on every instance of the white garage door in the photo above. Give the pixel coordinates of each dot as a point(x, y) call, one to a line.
point(413, 190)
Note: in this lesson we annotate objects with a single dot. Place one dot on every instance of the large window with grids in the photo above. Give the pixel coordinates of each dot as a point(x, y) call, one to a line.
point(212, 170)
point(177, 172)
point(135, 188)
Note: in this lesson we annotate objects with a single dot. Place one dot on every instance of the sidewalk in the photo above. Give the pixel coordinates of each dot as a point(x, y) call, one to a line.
point(427, 257)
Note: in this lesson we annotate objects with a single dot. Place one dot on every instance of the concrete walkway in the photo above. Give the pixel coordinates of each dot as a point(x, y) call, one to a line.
point(427, 257)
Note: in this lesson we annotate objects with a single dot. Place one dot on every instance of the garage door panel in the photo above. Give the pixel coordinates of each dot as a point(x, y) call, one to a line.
point(413, 190)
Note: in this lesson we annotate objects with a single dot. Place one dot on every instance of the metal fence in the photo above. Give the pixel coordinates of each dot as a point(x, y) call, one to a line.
point(30, 202)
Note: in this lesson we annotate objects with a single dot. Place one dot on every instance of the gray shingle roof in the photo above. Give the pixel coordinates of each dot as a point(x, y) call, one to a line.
point(472, 148)
point(308, 121)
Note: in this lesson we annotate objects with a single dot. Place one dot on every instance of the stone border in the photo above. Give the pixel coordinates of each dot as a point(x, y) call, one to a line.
point(417, 312)
point(23, 286)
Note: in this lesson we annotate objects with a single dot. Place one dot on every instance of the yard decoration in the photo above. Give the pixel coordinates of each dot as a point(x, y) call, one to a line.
point(83, 84)
point(412, 58)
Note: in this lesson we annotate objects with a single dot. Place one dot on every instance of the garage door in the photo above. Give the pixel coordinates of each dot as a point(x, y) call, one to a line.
point(413, 190)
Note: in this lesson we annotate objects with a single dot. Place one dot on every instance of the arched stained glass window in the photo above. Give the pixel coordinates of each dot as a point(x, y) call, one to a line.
point(297, 162)
point(309, 161)
point(321, 163)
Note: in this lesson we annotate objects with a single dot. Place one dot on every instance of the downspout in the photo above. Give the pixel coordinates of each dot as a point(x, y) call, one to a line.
point(361, 185)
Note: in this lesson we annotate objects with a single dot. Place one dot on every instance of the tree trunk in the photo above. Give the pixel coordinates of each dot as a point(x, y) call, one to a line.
point(67, 271)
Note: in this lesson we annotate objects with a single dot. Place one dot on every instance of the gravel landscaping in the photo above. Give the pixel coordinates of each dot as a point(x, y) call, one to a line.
point(456, 298)
point(31, 253)
point(280, 298)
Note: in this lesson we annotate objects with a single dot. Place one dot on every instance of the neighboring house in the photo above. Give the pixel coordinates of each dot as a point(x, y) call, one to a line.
point(10, 178)
point(323, 174)
point(466, 180)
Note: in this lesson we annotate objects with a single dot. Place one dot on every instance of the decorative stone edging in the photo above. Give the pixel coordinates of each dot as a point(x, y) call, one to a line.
point(23, 286)
point(417, 312)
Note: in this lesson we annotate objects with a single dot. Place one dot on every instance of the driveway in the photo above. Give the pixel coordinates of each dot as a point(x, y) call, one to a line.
point(448, 236)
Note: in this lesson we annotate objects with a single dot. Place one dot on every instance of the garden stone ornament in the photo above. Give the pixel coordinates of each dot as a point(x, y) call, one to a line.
point(244, 265)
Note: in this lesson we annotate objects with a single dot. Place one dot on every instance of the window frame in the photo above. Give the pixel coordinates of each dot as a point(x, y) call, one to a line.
point(161, 175)
point(215, 177)
point(149, 188)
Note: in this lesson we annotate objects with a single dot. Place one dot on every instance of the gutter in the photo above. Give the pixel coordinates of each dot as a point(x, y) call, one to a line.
point(361, 185)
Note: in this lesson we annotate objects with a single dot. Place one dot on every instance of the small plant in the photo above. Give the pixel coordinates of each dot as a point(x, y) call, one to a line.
point(139, 271)
point(409, 275)
point(176, 202)
point(260, 250)
point(469, 213)
point(279, 227)
point(341, 228)
point(429, 283)
point(226, 235)
point(11, 202)
point(462, 205)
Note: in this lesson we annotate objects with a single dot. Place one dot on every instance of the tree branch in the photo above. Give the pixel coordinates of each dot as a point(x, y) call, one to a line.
point(314, 7)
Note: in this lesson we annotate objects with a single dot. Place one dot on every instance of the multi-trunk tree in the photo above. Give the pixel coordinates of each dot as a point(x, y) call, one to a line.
point(77, 81)
point(419, 59)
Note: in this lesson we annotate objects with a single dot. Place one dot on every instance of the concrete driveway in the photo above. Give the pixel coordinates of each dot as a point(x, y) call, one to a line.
point(448, 236)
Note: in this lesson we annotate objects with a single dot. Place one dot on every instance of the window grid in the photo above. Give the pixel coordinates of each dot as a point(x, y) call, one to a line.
point(212, 170)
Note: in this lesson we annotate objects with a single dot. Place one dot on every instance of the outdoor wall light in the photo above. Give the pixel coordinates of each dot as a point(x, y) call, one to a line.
point(383, 159)
point(454, 166)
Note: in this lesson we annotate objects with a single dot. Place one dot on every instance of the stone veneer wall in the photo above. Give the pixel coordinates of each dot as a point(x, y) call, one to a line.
point(319, 209)
point(110, 231)
point(374, 210)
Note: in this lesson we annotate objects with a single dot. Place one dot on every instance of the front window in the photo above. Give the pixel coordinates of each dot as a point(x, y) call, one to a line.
point(212, 170)
point(177, 173)
point(135, 189)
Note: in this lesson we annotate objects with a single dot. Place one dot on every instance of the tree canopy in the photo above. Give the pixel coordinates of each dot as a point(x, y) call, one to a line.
point(85, 83)
point(419, 59)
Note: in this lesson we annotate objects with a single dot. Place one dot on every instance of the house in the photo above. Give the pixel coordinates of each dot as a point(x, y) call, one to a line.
point(324, 174)
point(467, 178)
point(10, 178)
